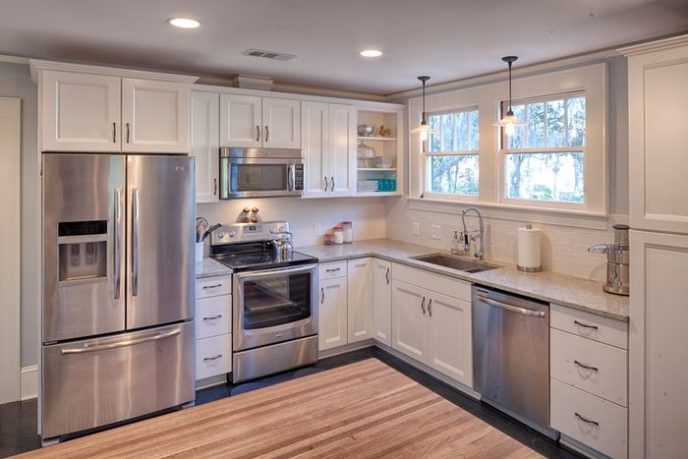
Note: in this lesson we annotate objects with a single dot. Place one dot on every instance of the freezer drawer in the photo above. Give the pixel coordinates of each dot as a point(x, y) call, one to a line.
point(93, 383)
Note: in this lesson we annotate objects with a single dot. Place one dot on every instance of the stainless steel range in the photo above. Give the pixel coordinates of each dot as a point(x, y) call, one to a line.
point(274, 305)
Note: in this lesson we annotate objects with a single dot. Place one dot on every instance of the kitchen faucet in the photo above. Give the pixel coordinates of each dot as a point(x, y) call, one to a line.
point(469, 237)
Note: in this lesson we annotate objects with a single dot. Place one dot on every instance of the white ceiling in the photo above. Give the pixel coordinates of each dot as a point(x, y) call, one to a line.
point(446, 39)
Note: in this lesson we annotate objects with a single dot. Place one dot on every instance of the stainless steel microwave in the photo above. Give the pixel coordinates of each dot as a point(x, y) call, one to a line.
point(260, 172)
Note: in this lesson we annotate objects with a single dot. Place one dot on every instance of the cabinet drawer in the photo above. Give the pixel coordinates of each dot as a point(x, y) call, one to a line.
point(602, 329)
point(332, 270)
point(605, 429)
point(455, 288)
point(213, 286)
point(606, 375)
point(213, 316)
point(213, 356)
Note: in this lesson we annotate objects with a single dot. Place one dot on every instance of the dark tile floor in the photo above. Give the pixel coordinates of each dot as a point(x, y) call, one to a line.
point(18, 420)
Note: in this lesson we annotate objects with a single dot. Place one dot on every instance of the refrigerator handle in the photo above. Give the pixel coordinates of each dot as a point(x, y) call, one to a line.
point(88, 347)
point(117, 242)
point(135, 242)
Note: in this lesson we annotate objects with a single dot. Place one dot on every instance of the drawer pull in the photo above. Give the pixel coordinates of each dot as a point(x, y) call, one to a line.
point(332, 270)
point(209, 359)
point(587, 421)
point(587, 367)
point(212, 286)
point(213, 317)
point(591, 327)
point(322, 295)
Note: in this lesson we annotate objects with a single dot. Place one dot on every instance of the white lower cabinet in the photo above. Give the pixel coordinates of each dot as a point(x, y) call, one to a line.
point(332, 322)
point(433, 327)
point(213, 326)
point(382, 301)
point(360, 299)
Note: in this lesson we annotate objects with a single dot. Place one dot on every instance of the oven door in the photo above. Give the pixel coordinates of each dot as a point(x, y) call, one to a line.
point(258, 177)
point(274, 305)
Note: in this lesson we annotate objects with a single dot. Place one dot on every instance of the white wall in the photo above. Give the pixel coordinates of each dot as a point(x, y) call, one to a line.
point(15, 81)
point(367, 214)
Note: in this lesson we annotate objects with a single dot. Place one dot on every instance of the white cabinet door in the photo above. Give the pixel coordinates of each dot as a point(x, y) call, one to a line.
point(450, 346)
point(658, 374)
point(332, 322)
point(205, 144)
point(155, 116)
point(658, 156)
point(281, 123)
point(342, 154)
point(409, 322)
point(382, 301)
point(80, 112)
point(360, 288)
point(240, 121)
point(315, 129)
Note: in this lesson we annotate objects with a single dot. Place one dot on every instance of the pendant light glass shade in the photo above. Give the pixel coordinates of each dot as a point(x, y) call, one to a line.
point(509, 122)
point(424, 130)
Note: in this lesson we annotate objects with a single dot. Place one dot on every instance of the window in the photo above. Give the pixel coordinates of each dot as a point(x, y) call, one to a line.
point(452, 157)
point(544, 160)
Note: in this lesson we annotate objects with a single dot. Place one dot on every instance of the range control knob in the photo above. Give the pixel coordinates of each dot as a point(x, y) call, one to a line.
point(232, 233)
point(221, 234)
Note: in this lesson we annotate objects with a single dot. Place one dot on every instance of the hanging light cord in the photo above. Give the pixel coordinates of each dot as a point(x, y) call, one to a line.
point(510, 109)
point(423, 117)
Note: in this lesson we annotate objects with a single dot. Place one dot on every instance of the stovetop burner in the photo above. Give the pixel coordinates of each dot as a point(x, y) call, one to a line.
point(253, 261)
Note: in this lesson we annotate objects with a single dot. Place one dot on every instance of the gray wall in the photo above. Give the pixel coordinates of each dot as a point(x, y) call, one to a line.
point(15, 81)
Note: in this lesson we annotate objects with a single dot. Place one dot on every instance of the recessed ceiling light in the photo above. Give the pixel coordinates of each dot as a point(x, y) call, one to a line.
point(371, 53)
point(184, 23)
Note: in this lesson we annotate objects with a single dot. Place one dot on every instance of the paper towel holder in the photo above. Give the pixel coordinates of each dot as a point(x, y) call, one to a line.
point(529, 269)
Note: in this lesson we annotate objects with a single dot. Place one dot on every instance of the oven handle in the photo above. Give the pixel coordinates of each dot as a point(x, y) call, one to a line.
point(275, 272)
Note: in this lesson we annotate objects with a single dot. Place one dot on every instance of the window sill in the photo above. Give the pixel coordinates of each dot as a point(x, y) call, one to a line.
point(547, 215)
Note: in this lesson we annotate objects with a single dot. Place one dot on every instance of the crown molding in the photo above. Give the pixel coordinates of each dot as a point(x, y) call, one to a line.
point(665, 43)
point(38, 65)
point(14, 59)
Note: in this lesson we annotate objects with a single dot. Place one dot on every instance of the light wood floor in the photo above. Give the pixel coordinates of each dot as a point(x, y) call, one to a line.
point(365, 409)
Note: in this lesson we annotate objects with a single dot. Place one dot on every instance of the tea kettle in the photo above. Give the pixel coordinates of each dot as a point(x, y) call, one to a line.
point(282, 245)
point(617, 261)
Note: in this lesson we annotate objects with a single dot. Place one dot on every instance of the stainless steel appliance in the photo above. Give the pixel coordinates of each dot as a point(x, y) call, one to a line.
point(511, 355)
point(260, 172)
point(118, 286)
point(274, 304)
point(618, 256)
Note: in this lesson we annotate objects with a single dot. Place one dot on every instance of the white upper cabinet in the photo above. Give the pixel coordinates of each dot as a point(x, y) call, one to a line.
point(382, 301)
point(155, 116)
point(205, 144)
point(80, 112)
point(342, 150)
point(98, 109)
point(658, 155)
point(254, 122)
point(360, 288)
point(315, 124)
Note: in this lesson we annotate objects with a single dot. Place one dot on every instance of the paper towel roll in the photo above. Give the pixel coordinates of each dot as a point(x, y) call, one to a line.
point(529, 249)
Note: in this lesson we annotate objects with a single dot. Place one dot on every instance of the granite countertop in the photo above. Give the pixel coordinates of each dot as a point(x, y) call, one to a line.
point(574, 292)
point(209, 267)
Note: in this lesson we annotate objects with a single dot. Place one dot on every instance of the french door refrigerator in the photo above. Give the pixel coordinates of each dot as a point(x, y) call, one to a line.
point(118, 286)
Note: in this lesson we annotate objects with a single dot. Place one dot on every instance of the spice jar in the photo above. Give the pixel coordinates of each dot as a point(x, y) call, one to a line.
point(348, 232)
point(338, 235)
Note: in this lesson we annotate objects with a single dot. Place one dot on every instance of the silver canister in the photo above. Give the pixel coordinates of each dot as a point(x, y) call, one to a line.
point(618, 273)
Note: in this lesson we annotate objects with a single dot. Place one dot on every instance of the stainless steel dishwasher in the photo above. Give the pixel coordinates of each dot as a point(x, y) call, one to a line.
point(511, 354)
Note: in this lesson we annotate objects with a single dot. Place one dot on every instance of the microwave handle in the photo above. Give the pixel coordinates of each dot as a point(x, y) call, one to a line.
point(291, 177)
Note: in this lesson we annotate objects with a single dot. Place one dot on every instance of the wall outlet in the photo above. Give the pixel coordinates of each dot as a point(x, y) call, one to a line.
point(415, 229)
point(436, 232)
point(317, 230)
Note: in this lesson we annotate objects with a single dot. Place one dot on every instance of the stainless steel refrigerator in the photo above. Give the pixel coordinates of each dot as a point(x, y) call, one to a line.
point(118, 286)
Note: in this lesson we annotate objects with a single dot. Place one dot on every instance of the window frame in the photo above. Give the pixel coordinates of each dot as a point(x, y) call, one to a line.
point(426, 154)
point(504, 151)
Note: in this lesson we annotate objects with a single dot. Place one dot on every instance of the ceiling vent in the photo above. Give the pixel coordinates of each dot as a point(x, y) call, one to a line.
point(269, 54)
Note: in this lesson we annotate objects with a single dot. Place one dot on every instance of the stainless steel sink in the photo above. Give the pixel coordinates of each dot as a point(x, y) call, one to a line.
point(457, 263)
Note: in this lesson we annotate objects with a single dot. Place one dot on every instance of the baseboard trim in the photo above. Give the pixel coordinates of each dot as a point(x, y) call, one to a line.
point(29, 382)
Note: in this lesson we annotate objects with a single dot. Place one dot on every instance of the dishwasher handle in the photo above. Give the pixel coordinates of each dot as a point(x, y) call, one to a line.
point(509, 307)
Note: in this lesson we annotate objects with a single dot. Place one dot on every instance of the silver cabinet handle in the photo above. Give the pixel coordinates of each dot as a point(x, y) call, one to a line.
point(587, 421)
point(211, 286)
point(117, 249)
point(508, 307)
point(135, 242)
point(219, 316)
point(422, 305)
point(322, 295)
point(267, 133)
point(591, 327)
point(88, 347)
point(214, 186)
point(257, 133)
point(209, 359)
point(326, 183)
point(587, 367)
point(430, 307)
point(387, 276)
point(114, 132)
point(332, 187)
point(128, 133)
point(332, 270)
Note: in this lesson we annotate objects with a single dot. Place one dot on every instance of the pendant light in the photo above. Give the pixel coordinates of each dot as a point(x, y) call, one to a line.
point(424, 129)
point(509, 122)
